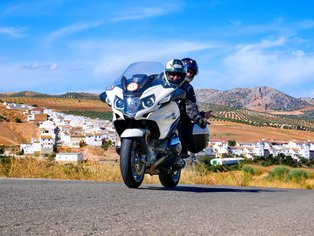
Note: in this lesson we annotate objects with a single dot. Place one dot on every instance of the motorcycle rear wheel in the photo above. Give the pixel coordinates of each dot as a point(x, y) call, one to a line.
point(170, 180)
point(131, 167)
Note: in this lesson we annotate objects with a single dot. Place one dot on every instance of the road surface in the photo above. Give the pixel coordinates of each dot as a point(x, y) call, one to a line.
point(58, 207)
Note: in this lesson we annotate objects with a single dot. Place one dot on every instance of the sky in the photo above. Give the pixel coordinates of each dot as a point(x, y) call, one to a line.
point(60, 46)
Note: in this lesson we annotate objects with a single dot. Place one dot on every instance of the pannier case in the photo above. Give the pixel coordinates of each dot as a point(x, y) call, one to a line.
point(199, 139)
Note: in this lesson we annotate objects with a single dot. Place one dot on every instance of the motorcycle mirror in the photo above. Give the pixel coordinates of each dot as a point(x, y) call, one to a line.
point(103, 97)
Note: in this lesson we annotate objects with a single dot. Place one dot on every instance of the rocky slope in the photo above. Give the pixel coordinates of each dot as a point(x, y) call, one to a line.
point(258, 98)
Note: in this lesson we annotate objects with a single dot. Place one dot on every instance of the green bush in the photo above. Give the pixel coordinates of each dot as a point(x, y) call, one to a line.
point(278, 173)
point(249, 170)
point(297, 175)
point(106, 144)
point(2, 149)
point(18, 120)
point(205, 160)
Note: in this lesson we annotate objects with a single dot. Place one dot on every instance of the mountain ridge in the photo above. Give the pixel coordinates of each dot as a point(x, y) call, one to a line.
point(261, 98)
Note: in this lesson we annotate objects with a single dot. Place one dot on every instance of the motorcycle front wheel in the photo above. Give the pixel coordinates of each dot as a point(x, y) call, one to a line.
point(170, 180)
point(131, 165)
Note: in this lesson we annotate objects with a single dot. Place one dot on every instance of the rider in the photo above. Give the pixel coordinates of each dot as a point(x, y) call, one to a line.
point(177, 73)
point(192, 70)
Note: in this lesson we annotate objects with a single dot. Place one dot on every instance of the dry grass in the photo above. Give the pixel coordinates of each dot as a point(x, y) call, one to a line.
point(62, 104)
point(110, 171)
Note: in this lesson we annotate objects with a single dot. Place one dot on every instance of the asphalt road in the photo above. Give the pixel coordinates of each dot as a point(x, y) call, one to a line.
point(56, 207)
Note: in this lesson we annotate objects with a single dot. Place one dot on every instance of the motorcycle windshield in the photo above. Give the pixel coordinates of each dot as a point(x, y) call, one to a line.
point(137, 78)
point(143, 69)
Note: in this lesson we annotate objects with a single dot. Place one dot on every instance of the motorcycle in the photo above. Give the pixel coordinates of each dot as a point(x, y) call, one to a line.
point(146, 117)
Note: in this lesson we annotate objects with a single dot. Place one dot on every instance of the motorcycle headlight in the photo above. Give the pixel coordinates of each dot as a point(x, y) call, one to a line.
point(118, 103)
point(148, 101)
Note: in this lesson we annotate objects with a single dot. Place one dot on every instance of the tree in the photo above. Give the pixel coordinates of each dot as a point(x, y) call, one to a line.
point(106, 144)
point(1, 149)
point(18, 120)
point(231, 143)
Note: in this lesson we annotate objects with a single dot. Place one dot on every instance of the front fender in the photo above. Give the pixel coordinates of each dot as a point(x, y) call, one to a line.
point(133, 133)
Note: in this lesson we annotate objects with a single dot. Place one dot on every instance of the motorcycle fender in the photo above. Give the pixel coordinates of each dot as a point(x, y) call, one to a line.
point(133, 133)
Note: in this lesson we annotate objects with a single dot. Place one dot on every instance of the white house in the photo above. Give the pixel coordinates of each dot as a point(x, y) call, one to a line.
point(95, 139)
point(17, 106)
point(65, 138)
point(47, 143)
point(236, 150)
point(76, 140)
point(71, 157)
point(48, 125)
point(30, 148)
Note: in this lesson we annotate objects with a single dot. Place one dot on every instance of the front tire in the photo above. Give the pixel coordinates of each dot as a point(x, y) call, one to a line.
point(170, 180)
point(131, 166)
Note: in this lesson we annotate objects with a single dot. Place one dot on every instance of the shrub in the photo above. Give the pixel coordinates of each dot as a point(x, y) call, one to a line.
point(2, 149)
point(106, 144)
point(18, 120)
point(232, 143)
point(205, 160)
point(247, 174)
point(249, 170)
point(278, 173)
point(297, 175)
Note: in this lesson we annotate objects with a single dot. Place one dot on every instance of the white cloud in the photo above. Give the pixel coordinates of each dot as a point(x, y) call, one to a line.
point(263, 45)
point(307, 24)
point(71, 29)
point(14, 32)
point(137, 13)
point(116, 56)
point(42, 77)
point(39, 66)
point(256, 65)
point(142, 13)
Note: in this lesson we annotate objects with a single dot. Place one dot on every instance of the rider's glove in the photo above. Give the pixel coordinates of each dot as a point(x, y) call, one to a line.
point(202, 122)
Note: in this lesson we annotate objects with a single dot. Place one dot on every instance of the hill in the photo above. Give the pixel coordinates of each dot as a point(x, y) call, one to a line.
point(31, 94)
point(258, 99)
point(12, 133)
point(61, 104)
point(23, 94)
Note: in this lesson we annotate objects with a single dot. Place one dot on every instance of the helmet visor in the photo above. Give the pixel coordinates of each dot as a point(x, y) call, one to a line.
point(175, 77)
point(190, 73)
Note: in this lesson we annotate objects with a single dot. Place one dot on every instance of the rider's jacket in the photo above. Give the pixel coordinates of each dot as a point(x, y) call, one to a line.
point(188, 107)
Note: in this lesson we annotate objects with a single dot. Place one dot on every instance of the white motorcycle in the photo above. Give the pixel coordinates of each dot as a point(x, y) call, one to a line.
point(146, 117)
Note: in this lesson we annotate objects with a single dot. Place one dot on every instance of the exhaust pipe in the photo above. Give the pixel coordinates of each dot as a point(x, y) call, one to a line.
point(152, 169)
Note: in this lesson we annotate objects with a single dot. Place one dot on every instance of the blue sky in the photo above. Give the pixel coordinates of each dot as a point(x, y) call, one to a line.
point(59, 46)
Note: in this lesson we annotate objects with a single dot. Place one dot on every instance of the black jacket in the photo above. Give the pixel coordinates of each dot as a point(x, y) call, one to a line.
point(188, 107)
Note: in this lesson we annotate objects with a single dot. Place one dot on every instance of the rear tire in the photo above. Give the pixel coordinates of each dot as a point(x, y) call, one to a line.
point(170, 180)
point(131, 167)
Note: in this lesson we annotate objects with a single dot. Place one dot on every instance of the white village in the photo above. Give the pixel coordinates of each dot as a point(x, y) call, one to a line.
point(59, 130)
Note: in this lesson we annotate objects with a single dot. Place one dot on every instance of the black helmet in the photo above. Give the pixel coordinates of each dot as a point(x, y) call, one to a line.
point(175, 72)
point(192, 68)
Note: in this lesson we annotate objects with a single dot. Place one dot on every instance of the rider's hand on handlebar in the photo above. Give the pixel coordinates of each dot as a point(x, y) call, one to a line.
point(207, 114)
point(202, 122)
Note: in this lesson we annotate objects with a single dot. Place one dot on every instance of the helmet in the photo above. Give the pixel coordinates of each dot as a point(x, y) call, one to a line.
point(192, 68)
point(175, 72)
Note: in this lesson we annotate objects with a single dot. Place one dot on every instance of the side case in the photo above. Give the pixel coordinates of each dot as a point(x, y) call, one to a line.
point(199, 139)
